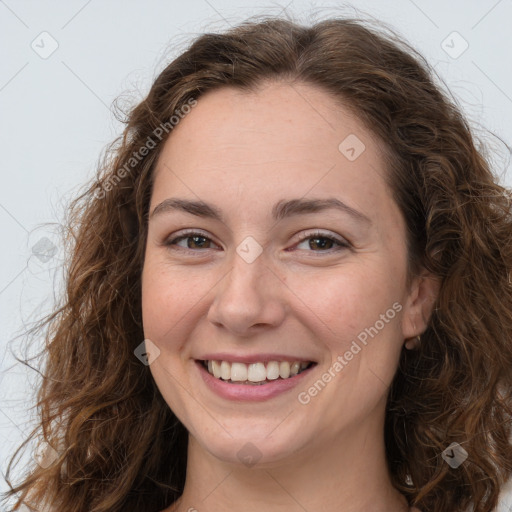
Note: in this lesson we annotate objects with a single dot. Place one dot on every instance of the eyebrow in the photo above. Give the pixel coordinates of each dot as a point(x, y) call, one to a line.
point(281, 209)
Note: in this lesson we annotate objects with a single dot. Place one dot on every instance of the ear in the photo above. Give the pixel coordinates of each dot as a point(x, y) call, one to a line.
point(419, 304)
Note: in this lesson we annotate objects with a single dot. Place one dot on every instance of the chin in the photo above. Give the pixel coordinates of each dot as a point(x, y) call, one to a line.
point(252, 445)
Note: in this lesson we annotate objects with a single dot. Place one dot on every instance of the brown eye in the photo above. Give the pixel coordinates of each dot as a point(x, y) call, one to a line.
point(195, 242)
point(192, 240)
point(323, 242)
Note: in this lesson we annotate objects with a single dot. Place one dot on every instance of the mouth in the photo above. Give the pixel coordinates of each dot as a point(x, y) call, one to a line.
point(256, 373)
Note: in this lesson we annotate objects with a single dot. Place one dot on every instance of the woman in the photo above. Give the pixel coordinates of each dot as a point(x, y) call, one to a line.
point(289, 291)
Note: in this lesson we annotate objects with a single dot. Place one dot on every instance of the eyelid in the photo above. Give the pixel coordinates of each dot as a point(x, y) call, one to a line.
point(342, 243)
point(186, 233)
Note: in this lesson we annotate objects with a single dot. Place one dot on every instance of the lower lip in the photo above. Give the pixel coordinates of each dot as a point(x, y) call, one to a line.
point(249, 392)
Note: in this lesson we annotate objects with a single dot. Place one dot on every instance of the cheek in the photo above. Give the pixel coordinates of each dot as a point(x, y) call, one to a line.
point(166, 301)
point(174, 302)
point(156, 314)
point(167, 298)
point(347, 300)
point(355, 314)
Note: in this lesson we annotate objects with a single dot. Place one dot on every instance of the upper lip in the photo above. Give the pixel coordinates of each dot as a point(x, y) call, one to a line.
point(252, 358)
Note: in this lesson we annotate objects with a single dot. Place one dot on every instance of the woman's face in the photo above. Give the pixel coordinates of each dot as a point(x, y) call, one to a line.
point(274, 246)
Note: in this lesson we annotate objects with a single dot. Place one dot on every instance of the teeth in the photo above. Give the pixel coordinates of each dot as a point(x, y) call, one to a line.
point(294, 368)
point(225, 370)
point(284, 369)
point(215, 368)
point(255, 372)
point(273, 370)
point(238, 372)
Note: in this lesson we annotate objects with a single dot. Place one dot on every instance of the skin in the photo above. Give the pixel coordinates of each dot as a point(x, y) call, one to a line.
point(243, 152)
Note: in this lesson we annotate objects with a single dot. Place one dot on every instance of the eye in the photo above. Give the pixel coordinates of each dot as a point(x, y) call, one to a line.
point(192, 240)
point(318, 242)
point(324, 242)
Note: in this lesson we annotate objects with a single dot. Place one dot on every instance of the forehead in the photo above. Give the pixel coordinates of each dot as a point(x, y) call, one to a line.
point(281, 141)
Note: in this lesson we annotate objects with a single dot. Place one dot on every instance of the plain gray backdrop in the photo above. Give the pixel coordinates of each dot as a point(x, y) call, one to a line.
point(64, 62)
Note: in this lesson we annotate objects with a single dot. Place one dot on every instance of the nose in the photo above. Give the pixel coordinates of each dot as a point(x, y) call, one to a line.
point(249, 299)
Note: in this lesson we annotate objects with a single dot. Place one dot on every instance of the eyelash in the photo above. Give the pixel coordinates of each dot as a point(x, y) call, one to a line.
point(311, 235)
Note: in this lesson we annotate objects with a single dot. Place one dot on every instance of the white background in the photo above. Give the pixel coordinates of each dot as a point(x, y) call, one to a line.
point(56, 118)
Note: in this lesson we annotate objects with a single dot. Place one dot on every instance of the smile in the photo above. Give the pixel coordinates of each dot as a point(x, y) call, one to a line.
point(258, 373)
point(252, 378)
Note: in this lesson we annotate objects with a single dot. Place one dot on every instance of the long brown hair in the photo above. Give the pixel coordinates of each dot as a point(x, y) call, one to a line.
point(119, 446)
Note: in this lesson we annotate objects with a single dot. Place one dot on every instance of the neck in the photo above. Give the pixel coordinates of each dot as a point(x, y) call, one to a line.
point(348, 474)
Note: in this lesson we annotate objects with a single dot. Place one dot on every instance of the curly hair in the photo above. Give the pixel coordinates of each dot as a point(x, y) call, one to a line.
point(118, 446)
